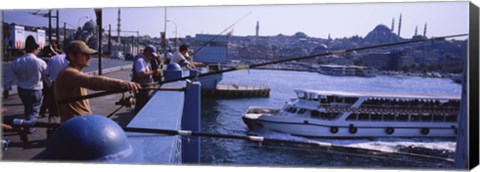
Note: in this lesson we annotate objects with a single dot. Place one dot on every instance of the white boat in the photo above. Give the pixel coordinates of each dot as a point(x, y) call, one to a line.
point(342, 114)
point(346, 70)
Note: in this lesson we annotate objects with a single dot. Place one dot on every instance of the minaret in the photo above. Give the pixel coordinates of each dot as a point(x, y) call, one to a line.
point(118, 27)
point(425, 30)
point(400, 24)
point(393, 24)
point(257, 29)
point(416, 31)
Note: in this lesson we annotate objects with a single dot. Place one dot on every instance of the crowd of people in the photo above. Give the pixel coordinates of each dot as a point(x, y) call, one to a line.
point(41, 85)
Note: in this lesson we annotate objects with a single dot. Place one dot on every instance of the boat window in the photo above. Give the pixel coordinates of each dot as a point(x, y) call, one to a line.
point(301, 111)
point(329, 116)
point(415, 117)
point(314, 97)
point(329, 99)
point(315, 114)
point(363, 117)
point(376, 117)
point(402, 117)
point(294, 110)
point(301, 95)
point(352, 117)
point(338, 100)
point(351, 100)
point(323, 100)
point(438, 117)
point(451, 118)
point(388, 117)
point(426, 117)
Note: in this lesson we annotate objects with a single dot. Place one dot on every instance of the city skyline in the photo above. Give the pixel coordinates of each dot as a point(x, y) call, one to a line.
point(337, 20)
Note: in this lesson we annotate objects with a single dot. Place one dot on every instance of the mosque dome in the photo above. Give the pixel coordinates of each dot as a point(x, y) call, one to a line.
point(90, 26)
point(381, 34)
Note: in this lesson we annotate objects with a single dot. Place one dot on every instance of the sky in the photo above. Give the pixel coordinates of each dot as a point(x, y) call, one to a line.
point(316, 20)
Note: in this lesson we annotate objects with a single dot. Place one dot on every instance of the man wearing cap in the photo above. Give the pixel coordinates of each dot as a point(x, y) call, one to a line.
point(143, 74)
point(72, 82)
point(29, 71)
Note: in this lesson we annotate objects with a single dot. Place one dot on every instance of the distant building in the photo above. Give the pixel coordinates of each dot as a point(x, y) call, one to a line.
point(401, 59)
point(380, 60)
point(452, 63)
point(381, 34)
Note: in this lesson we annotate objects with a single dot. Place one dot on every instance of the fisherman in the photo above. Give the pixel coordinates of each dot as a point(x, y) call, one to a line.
point(72, 82)
point(168, 56)
point(155, 63)
point(180, 58)
point(29, 71)
point(48, 102)
point(54, 66)
point(143, 73)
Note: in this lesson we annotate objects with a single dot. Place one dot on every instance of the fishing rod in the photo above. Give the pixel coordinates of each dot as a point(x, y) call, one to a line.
point(260, 140)
point(215, 37)
point(242, 67)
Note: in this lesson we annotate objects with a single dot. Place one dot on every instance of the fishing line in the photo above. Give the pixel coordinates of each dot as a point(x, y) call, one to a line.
point(242, 67)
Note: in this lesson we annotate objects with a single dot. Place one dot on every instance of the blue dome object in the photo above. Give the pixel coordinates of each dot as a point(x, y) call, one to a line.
point(88, 138)
point(174, 67)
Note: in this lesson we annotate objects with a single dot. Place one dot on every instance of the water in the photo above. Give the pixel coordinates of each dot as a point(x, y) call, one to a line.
point(224, 116)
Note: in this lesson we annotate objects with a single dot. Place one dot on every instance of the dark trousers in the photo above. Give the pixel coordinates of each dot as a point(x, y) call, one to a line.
point(53, 116)
point(141, 98)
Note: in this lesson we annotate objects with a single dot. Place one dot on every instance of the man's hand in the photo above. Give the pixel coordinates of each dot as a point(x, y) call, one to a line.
point(157, 72)
point(132, 87)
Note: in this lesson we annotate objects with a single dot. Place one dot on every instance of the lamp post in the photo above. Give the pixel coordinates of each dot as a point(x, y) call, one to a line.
point(175, 40)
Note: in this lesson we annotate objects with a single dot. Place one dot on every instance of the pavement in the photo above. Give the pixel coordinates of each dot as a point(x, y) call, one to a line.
point(24, 151)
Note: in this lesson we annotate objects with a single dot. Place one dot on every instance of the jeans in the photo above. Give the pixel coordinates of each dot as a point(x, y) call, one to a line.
point(32, 101)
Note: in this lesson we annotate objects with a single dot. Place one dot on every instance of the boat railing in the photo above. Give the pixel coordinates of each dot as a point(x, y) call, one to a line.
point(389, 109)
point(402, 117)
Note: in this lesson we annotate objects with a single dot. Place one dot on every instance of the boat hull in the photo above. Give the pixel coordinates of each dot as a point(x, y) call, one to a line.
point(331, 129)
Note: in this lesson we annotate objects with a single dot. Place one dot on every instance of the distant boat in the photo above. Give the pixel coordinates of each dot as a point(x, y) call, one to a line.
point(347, 70)
point(340, 114)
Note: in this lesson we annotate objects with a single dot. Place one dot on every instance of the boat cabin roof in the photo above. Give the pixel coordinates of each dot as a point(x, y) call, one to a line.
point(322, 93)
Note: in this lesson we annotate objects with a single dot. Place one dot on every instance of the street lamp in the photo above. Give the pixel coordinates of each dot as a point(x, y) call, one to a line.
point(175, 40)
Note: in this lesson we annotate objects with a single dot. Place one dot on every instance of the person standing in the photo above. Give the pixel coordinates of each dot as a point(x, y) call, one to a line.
point(168, 57)
point(71, 82)
point(29, 71)
point(54, 66)
point(143, 74)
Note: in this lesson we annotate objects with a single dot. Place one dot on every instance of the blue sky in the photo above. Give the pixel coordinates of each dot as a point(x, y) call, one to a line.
point(316, 20)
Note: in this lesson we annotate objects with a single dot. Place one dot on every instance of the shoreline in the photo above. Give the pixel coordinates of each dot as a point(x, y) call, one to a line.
point(387, 73)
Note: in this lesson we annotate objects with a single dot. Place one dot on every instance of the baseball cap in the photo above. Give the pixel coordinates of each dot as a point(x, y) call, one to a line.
point(152, 49)
point(78, 46)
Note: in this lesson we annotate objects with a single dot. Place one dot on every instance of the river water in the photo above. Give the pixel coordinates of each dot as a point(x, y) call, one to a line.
point(225, 116)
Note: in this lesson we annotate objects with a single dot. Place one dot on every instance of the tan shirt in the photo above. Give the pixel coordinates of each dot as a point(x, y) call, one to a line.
point(73, 83)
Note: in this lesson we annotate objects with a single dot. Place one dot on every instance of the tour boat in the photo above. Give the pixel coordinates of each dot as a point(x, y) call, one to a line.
point(342, 114)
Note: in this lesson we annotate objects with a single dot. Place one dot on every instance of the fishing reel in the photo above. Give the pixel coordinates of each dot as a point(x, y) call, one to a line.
point(126, 101)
